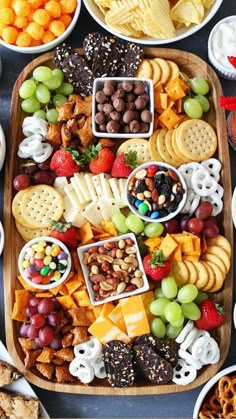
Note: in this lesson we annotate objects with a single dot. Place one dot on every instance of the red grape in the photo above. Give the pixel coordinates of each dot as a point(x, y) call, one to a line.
point(29, 168)
point(54, 319)
point(172, 226)
point(195, 225)
point(31, 311)
point(56, 303)
point(32, 332)
point(212, 219)
point(210, 229)
point(21, 182)
point(46, 335)
point(204, 210)
point(184, 222)
point(34, 301)
point(41, 177)
point(38, 320)
point(56, 343)
point(45, 165)
point(38, 342)
point(24, 329)
point(45, 306)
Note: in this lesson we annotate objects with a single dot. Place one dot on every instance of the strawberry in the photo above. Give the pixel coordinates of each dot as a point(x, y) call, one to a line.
point(211, 315)
point(64, 232)
point(124, 164)
point(100, 158)
point(65, 162)
point(156, 265)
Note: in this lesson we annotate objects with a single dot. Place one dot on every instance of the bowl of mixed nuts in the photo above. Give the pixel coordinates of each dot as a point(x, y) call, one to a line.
point(156, 191)
point(113, 269)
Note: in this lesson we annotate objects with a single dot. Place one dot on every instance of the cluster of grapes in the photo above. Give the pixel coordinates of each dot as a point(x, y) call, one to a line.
point(44, 92)
point(135, 224)
point(202, 221)
point(44, 317)
point(173, 305)
point(195, 106)
point(34, 173)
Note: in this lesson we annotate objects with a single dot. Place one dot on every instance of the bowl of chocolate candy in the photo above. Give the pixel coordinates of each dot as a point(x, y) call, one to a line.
point(122, 107)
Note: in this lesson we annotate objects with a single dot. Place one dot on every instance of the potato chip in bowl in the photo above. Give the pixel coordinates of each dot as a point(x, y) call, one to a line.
point(152, 21)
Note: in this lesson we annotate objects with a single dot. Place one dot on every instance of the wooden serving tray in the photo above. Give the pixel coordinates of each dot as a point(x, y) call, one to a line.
point(191, 65)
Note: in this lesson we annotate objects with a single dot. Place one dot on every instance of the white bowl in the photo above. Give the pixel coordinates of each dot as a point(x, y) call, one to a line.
point(81, 250)
point(2, 237)
point(50, 45)
point(221, 65)
point(234, 316)
point(98, 84)
point(47, 240)
point(233, 207)
point(2, 147)
point(208, 387)
point(182, 33)
point(172, 214)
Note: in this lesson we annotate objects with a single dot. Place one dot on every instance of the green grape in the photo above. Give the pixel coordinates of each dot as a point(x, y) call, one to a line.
point(179, 322)
point(40, 114)
point(163, 318)
point(158, 328)
point(153, 229)
point(120, 222)
point(191, 311)
point(204, 102)
point(187, 293)
point(30, 105)
point(53, 83)
point(42, 94)
point(201, 297)
point(52, 115)
point(134, 224)
point(58, 73)
point(169, 287)
point(173, 311)
point(65, 89)
point(192, 108)
point(142, 247)
point(158, 293)
point(199, 85)
point(27, 89)
point(59, 100)
point(172, 332)
point(157, 307)
point(42, 73)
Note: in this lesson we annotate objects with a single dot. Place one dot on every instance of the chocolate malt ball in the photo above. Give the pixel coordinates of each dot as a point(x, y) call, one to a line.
point(102, 128)
point(130, 97)
point(119, 104)
point(126, 129)
point(134, 126)
point(119, 93)
point(127, 85)
point(110, 83)
point(109, 90)
point(139, 87)
point(128, 116)
point(146, 116)
point(140, 103)
point(145, 96)
point(115, 116)
point(100, 118)
point(100, 107)
point(129, 106)
point(112, 127)
point(100, 97)
point(108, 108)
point(144, 127)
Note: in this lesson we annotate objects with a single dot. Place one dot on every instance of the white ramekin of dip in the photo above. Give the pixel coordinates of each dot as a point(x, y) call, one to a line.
point(221, 44)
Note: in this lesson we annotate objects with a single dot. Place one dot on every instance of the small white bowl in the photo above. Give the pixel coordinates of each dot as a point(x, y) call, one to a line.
point(2, 238)
point(208, 387)
point(81, 250)
point(98, 85)
point(181, 33)
point(47, 240)
point(50, 45)
point(172, 214)
point(220, 63)
point(2, 147)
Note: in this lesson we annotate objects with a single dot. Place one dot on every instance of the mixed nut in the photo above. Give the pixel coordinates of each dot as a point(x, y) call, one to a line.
point(113, 268)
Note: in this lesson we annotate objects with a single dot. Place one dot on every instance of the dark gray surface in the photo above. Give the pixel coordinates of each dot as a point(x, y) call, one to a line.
point(61, 405)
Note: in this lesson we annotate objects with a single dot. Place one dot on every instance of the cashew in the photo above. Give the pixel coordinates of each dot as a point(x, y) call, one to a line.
point(137, 281)
point(94, 269)
point(130, 249)
point(105, 286)
point(138, 273)
point(132, 260)
point(92, 257)
point(121, 287)
point(102, 258)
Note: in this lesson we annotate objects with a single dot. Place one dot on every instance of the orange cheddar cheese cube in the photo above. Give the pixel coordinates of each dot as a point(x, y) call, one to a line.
point(147, 298)
point(134, 316)
point(97, 310)
point(104, 330)
point(107, 309)
point(116, 317)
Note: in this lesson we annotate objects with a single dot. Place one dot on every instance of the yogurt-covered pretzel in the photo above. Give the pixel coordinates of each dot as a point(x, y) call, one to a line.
point(189, 339)
point(190, 359)
point(203, 183)
point(183, 373)
point(99, 367)
point(90, 350)
point(44, 154)
point(34, 125)
point(81, 369)
point(31, 145)
point(213, 166)
point(187, 171)
point(206, 350)
point(184, 332)
point(217, 203)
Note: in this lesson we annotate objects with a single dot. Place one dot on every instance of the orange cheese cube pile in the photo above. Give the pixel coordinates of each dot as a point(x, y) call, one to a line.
point(27, 23)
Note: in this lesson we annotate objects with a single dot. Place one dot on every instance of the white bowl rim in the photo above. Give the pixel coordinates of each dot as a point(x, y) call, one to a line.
point(153, 41)
point(50, 45)
point(208, 387)
point(215, 62)
point(3, 144)
point(2, 238)
point(172, 214)
point(233, 207)
point(50, 240)
point(234, 316)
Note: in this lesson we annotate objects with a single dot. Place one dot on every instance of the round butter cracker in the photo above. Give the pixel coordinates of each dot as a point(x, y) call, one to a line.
point(140, 145)
point(165, 69)
point(16, 208)
point(30, 233)
point(153, 147)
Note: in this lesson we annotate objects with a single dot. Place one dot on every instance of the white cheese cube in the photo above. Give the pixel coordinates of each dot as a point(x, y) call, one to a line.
point(88, 177)
point(82, 185)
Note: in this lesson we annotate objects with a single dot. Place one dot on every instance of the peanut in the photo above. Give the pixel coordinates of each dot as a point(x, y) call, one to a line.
point(97, 278)
point(121, 287)
point(94, 269)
